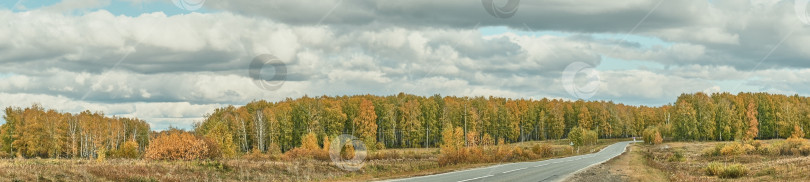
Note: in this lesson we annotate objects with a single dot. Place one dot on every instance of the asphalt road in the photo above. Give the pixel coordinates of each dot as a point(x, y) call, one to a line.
point(547, 170)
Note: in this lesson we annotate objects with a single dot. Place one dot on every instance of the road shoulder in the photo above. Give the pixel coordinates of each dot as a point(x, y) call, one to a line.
point(629, 166)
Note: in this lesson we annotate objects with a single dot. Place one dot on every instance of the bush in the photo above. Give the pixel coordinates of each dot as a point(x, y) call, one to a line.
point(179, 145)
point(101, 154)
point(581, 136)
point(256, 155)
point(519, 154)
point(452, 148)
point(476, 154)
point(652, 136)
point(274, 149)
point(792, 146)
point(566, 150)
point(761, 148)
point(757, 144)
point(733, 171)
point(542, 151)
point(310, 149)
point(502, 152)
point(129, 151)
point(658, 139)
point(5, 155)
point(732, 149)
point(591, 137)
point(714, 151)
point(347, 151)
point(728, 171)
point(714, 168)
point(748, 149)
point(804, 150)
point(677, 157)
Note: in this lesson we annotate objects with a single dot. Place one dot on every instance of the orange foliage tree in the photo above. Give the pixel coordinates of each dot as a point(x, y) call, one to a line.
point(751, 115)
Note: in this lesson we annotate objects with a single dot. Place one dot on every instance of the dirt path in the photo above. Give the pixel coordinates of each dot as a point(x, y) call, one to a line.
point(626, 167)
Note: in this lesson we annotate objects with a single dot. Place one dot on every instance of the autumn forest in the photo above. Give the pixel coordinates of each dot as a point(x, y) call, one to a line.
point(401, 121)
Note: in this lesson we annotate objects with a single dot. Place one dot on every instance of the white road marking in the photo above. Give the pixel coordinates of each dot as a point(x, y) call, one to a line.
point(475, 178)
point(513, 170)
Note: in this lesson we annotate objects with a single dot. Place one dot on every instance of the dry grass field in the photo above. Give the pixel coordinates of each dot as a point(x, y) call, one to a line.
point(694, 161)
point(382, 164)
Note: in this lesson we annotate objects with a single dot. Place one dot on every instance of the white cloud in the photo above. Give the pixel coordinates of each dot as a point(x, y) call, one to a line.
point(174, 69)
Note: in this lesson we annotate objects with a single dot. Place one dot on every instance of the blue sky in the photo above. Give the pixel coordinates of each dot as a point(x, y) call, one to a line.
point(115, 7)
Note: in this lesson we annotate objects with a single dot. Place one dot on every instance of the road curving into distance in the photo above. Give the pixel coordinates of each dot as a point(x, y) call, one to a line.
point(547, 170)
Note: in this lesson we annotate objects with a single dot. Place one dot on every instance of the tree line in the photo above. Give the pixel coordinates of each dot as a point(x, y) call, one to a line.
point(411, 121)
point(724, 117)
point(36, 132)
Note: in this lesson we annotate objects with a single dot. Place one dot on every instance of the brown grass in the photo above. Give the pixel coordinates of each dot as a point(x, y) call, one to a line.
point(754, 160)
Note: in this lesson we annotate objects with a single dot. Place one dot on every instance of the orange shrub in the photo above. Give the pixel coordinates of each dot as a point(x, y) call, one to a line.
point(519, 154)
point(544, 150)
point(257, 155)
point(296, 153)
point(793, 146)
point(503, 152)
point(180, 145)
point(475, 154)
point(732, 149)
point(748, 149)
point(658, 139)
point(309, 149)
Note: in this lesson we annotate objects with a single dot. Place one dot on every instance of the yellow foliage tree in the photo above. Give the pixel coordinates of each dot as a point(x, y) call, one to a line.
point(452, 148)
point(797, 132)
point(223, 138)
point(310, 142)
point(366, 123)
point(129, 150)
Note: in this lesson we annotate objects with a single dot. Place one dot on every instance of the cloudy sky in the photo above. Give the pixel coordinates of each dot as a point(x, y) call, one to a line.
point(171, 62)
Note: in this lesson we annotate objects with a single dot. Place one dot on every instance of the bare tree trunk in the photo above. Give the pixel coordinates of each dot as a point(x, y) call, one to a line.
point(259, 123)
point(465, 126)
point(427, 134)
point(244, 135)
point(72, 127)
